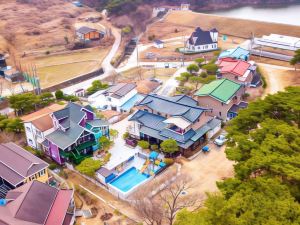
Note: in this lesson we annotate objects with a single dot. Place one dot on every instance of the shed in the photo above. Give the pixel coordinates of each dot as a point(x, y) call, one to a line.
point(158, 44)
point(105, 175)
point(88, 33)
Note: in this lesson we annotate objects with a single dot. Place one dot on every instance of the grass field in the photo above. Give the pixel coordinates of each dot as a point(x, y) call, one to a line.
point(55, 69)
point(186, 21)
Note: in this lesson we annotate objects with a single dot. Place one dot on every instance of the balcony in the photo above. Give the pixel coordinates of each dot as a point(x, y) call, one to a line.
point(76, 155)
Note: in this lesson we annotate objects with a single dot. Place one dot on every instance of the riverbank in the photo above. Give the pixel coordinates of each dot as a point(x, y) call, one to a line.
point(183, 23)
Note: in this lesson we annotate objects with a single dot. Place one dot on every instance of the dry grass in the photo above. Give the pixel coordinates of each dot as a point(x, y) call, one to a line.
point(55, 69)
point(185, 23)
point(142, 73)
point(38, 24)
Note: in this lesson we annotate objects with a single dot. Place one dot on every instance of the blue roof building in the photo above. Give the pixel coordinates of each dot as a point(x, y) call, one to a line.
point(236, 53)
point(179, 117)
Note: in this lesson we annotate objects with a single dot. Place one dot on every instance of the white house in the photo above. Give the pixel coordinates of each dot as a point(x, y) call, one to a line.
point(120, 97)
point(202, 41)
point(158, 44)
point(39, 124)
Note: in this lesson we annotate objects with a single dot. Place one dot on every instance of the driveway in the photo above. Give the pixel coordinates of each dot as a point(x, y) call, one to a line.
point(206, 169)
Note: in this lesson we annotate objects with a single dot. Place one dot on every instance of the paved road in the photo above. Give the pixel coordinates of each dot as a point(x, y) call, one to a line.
point(171, 84)
point(107, 67)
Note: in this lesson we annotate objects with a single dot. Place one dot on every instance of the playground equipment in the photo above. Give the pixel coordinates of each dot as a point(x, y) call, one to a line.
point(154, 164)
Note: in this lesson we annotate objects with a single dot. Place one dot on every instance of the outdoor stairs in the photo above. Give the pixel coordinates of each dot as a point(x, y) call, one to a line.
point(3, 190)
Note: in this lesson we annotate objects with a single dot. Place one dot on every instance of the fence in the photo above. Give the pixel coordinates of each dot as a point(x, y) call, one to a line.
point(73, 81)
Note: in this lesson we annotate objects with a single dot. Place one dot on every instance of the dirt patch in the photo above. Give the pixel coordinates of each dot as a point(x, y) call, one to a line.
point(180, 23)
point(279, 78)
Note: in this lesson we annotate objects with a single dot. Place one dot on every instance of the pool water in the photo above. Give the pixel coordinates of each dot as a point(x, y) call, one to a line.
point(129, 179)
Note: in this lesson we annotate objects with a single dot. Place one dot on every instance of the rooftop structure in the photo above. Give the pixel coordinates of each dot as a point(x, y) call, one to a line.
point(236, 53)
point(279, 41)
point(18, 166)
point(36, 203)
point(222, 90)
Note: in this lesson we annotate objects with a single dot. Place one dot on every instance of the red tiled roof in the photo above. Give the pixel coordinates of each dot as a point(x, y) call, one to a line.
point(60, 206)
point(236, 67)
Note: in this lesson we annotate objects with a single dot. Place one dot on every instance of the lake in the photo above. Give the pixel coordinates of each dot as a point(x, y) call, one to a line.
point(285, 14)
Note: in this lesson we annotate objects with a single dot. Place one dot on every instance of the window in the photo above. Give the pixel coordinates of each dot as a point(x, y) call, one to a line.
point(109, 99)
point(30, 141)
point(220, 113)
point(42, 173)
point(28, 129)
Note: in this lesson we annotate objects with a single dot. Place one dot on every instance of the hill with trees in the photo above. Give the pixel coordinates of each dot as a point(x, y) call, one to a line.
point(264, 141)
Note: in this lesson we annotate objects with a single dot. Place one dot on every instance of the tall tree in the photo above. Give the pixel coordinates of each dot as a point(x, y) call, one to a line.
point(296, 59)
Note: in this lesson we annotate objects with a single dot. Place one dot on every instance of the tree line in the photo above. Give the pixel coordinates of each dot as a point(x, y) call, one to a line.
point(264, 141)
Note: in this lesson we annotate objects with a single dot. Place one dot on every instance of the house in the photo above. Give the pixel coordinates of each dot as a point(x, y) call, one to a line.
point(120, 97)
point(18, 166)
point(238, 71)
point(279, 41)
point(148, 86)
point(179, 117)
point(185, 7)
point(158, 44)
point(89, 34)
point(39, 124)
point(76, 134)
point(235, 53)
point(221, 95)
point(36, 203)
point(202, 41)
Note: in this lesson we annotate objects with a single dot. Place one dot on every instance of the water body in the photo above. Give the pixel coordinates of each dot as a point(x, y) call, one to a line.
point(284, 14)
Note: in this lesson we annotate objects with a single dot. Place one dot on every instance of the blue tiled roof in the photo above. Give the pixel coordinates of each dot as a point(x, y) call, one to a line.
point(176, 136)
point(236, 53)
point(180, 105)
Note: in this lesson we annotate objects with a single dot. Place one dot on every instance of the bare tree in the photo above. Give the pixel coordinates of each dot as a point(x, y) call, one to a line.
point(149, 209)
point(175, 197)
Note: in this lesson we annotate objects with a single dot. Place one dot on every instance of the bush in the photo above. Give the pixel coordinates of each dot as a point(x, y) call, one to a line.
point(59, 95)
point(126, 135)
point(143, 144)
point(107, 157)
point(203, 74)
point(210, 68)
point(154, 147)
point(169, 146)
point(245, 96)
point(169, 161)
point(52, 166)
point(89, 166)
point(47, 52)
point(63, 174)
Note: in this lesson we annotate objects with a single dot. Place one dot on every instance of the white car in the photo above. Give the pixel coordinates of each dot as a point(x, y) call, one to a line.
point(220, 140)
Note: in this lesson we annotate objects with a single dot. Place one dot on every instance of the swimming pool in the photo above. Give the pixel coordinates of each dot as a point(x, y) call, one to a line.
point(129, 179)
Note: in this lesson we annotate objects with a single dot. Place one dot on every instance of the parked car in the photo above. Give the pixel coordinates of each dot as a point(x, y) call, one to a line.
point(220, 140)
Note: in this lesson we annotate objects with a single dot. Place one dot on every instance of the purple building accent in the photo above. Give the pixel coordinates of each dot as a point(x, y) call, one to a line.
point(90, 115)
point(82, 122)
point(54, 151)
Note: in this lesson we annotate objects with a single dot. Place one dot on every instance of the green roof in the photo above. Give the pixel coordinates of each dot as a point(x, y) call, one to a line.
point(222, 89)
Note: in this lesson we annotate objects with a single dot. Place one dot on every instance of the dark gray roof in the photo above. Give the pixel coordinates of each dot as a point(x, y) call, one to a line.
point(256, 80)
point(154, 126)
point(120, 90)
point(89, 108)
point(65, 139)
point(214, 30)
point(180, 105)
point(16, 163)
point(158, 42)
point(37, 203)
point(200, 37)
point(236, 107)
point(85, 30)
point(205, 128)
point(98, 123)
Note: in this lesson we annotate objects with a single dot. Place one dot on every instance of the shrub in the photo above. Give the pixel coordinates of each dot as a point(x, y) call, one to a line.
point(169, 146)
point(125, 135)
point(203, 74)
point(52, 166)
point(210, 68)
point(151, 37)
point(143, 144)
point(59, 94)
point(107, 157)
point(154, 147)
point(89, 166)
point(245, 96)
point(127, 30)
point(169, 161)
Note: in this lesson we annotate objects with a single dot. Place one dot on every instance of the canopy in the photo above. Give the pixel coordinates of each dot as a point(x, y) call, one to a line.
point(153, 155)
point(179, 122)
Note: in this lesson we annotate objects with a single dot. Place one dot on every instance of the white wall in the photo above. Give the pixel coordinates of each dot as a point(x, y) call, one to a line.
point(202, 48)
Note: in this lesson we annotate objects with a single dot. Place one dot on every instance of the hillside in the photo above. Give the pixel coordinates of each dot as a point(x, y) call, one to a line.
point(28, 25)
